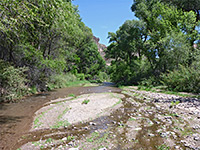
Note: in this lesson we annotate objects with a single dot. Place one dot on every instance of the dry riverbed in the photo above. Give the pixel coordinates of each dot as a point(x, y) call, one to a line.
point(130, 119)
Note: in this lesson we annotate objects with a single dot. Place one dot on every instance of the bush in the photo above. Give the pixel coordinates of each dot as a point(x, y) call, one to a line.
point(150, 82)
point(60, 80)
point(184, 80)
point(12, 82)
point(103, 77)
point(80, 76)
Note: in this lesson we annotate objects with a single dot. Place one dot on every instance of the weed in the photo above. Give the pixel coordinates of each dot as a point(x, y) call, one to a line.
point(174, 103)
point(61, 123)
point(162, 147)
point(187, 131)
point(131, 119)
point(49, 140)
point(86, 101)
point(64, 112)
point(93, 137)
point(119, 102)
point(70, 138)
point(71, 95)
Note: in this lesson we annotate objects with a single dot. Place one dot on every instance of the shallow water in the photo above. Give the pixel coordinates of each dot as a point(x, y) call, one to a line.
point(16, 118)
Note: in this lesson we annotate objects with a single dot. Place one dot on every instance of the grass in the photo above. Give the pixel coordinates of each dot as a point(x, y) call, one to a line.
point(98, 138)
point(49, 140)
point(72, 95)
point(162, 147)
point(131, 119)
point(64, 112)
point(60, 124)
point(161, 89)
point(90, 84)
point(37, 122)
point(93, 137)
point(119, 102)
point(86, 101)
point(186, 132)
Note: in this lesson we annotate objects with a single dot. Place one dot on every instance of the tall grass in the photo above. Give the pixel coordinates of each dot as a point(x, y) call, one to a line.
point(63, 80)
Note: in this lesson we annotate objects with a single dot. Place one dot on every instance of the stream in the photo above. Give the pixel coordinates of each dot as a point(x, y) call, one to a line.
point(136, 124)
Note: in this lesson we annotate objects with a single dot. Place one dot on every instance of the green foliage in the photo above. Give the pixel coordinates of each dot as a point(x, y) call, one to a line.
point(162, 147)
point(60, 80)
point(160, 42)
point(185, 79)
point(61, 124)
point(86, 101)
point(12, 81)
point(80, 76)
point(103, 77)
point(48, 38)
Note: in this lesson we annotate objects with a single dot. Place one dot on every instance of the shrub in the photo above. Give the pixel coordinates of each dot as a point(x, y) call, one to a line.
point(12, 82)
point(184, 80)
point(80, 76)
point(60, 80)
point(103, 77)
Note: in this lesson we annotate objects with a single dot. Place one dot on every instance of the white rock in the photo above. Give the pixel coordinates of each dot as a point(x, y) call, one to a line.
point(74, 149)
point(103, 148)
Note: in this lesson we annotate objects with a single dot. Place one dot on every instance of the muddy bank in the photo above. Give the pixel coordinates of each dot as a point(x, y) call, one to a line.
point(16, 118)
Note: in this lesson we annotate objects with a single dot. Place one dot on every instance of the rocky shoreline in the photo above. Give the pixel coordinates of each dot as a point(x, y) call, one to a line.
point(137, 120)
point(185, 108)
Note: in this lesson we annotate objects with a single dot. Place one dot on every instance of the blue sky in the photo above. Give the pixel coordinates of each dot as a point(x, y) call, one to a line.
point(104, 16)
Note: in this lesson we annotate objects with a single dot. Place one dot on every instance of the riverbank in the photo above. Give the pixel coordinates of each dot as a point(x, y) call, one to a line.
point(101, 117)
point(142, 119)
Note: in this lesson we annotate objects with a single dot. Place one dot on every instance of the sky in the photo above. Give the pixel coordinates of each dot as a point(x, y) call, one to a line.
point(104, 16)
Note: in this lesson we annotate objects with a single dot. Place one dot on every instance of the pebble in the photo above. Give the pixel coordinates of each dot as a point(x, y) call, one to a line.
point(86, 128)
point(137, 129)
point(120, 124)
point(114, 122)
point(64, 139)
point(71, 143)
point(177, 147)
point(151, 135)
point(74, 149)
point(163, 135)
point(103, 148)
point(92, 123)
point(197, 138)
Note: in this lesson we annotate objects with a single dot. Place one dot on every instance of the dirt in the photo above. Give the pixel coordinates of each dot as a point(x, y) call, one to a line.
point(112, 119)
point(73, 110)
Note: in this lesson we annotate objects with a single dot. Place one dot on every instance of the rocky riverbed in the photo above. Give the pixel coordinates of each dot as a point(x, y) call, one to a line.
point(130, 119)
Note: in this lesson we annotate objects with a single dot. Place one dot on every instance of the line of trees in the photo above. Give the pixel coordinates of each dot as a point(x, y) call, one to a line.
point(40, 39)
point(161, 47)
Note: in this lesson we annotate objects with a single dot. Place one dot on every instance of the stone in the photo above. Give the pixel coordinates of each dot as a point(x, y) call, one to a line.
point(86, 128)
point(64, 139)
point(92, 123)
point(114, 122)
point(137, 129)
point(71, 143)
point(151, 135)
point(197, 138)
point(74, 149)
point(163, 135)
point(103, 148)
point(177, 147)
